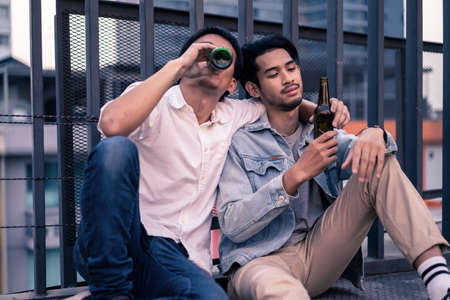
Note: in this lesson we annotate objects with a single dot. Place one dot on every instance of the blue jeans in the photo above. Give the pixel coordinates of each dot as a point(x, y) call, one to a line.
point(113, 252)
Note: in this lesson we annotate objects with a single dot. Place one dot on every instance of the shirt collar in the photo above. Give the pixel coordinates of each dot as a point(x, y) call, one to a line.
point(179, 102)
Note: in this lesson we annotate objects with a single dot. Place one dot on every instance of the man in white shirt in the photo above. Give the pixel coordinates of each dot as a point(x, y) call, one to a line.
point(147, 199)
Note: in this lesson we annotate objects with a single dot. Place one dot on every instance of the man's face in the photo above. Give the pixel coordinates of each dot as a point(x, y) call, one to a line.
point(207, 76)
point(280, 80)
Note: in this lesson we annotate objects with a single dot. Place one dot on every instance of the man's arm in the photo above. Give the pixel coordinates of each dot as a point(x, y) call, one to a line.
point(129, 110)
point(243, 213)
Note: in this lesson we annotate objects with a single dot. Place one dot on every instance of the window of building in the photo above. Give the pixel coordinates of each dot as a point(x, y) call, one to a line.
point(4, 40)
point(4, 12)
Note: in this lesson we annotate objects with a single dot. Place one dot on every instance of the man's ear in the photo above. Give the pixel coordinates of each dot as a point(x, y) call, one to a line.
point(232, 86)
point(253, 89)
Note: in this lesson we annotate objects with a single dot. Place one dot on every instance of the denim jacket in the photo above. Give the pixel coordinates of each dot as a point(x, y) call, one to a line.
point(252, 205)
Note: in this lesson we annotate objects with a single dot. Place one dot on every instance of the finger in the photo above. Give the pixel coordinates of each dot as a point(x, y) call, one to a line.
point(344, 118)
point(356, 158)
point(338, 111)
point(334, 103)
point(326, 136)
point(331, 143)
point(363, 164)
point(337, 114)
point(380, 163)
point(331, 151)
point(370, 165)
point(331, 159)
point(311, 119)
point(348, 159)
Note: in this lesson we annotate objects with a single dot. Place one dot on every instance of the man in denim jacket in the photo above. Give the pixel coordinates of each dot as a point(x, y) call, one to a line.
point(289, 231)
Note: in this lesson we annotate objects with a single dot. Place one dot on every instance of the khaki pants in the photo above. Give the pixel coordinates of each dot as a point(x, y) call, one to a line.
point(310, 267)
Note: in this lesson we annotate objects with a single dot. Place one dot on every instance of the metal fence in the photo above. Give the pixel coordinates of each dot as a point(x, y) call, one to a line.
point(102, 46)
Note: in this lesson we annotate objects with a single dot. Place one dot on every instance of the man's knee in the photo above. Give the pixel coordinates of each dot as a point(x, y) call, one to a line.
point(264, 278)
point(115, 154)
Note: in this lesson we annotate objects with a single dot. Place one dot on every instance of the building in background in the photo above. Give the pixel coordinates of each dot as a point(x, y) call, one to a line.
point(119, 60)
point(16, 205)
point(16, 200)
point(5, 29)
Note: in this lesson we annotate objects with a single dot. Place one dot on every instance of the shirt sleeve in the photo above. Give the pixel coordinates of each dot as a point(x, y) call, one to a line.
point(247, 111)
point(142, 130)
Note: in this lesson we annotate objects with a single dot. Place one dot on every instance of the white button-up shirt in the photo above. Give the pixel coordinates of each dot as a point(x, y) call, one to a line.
point(181, 163)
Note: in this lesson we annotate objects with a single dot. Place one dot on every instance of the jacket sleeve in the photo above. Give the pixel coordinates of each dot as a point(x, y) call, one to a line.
point(243, 212)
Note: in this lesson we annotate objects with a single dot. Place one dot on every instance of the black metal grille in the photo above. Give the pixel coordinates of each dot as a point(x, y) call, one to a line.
point(313, 58)
point(119, 56)
point(74, 143)
point(169, 38)
point(119, 40)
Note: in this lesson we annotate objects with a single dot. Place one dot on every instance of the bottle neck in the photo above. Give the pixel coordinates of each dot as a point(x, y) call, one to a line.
point(324, 97)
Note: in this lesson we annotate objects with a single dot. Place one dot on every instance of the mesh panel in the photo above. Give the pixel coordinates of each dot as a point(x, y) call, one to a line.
point(74, 145)
point(168, 41)
point(119, 57)
point(313, 63)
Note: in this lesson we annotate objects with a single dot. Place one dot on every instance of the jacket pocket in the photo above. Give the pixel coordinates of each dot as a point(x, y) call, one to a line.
point(261, 171)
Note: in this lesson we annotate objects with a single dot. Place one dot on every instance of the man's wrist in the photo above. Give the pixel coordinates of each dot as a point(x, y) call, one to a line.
point(385, 138)
point(384, 132)
point(291, 180)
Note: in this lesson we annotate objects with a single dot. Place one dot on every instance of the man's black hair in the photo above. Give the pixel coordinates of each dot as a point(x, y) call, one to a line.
point(251, 51)
point(223, 33)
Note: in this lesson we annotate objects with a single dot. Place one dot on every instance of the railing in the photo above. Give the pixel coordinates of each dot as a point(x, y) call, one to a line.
point(84, 82)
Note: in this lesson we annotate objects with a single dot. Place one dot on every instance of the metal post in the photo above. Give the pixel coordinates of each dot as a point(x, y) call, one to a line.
point(375, 113)
point(146, 21)
point(6, 91)
point(400, 104)
point(245, 28)
point(67, 234)
point(446, 126)
point(413, 90)
point(196, 15)
point(290, 20)
point(335, 44)
point(92, 69)
point(37, 101)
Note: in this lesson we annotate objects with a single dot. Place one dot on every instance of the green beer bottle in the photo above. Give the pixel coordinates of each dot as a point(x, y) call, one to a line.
point(323, 117)
point(221, 58)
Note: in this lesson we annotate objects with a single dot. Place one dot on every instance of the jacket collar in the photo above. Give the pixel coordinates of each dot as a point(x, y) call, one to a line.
point(260, 124)
point(263, 123)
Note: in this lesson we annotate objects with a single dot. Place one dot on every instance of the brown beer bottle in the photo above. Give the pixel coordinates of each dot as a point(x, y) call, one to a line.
point(323, 117)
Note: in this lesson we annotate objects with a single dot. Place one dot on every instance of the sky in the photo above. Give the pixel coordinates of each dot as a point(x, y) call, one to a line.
point(20, 49)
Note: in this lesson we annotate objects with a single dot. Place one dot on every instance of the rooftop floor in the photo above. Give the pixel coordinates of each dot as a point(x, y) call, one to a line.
point(398, 286)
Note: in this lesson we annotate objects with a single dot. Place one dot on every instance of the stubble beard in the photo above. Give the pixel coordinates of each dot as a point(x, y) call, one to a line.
point(290, 106)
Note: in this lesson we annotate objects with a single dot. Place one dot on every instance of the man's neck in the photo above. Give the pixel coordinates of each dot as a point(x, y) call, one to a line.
point(285, 123)
point(201, 100)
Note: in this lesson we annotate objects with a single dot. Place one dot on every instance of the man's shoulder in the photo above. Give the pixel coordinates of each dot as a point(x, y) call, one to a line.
point(246, 135)
point(234, 103)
